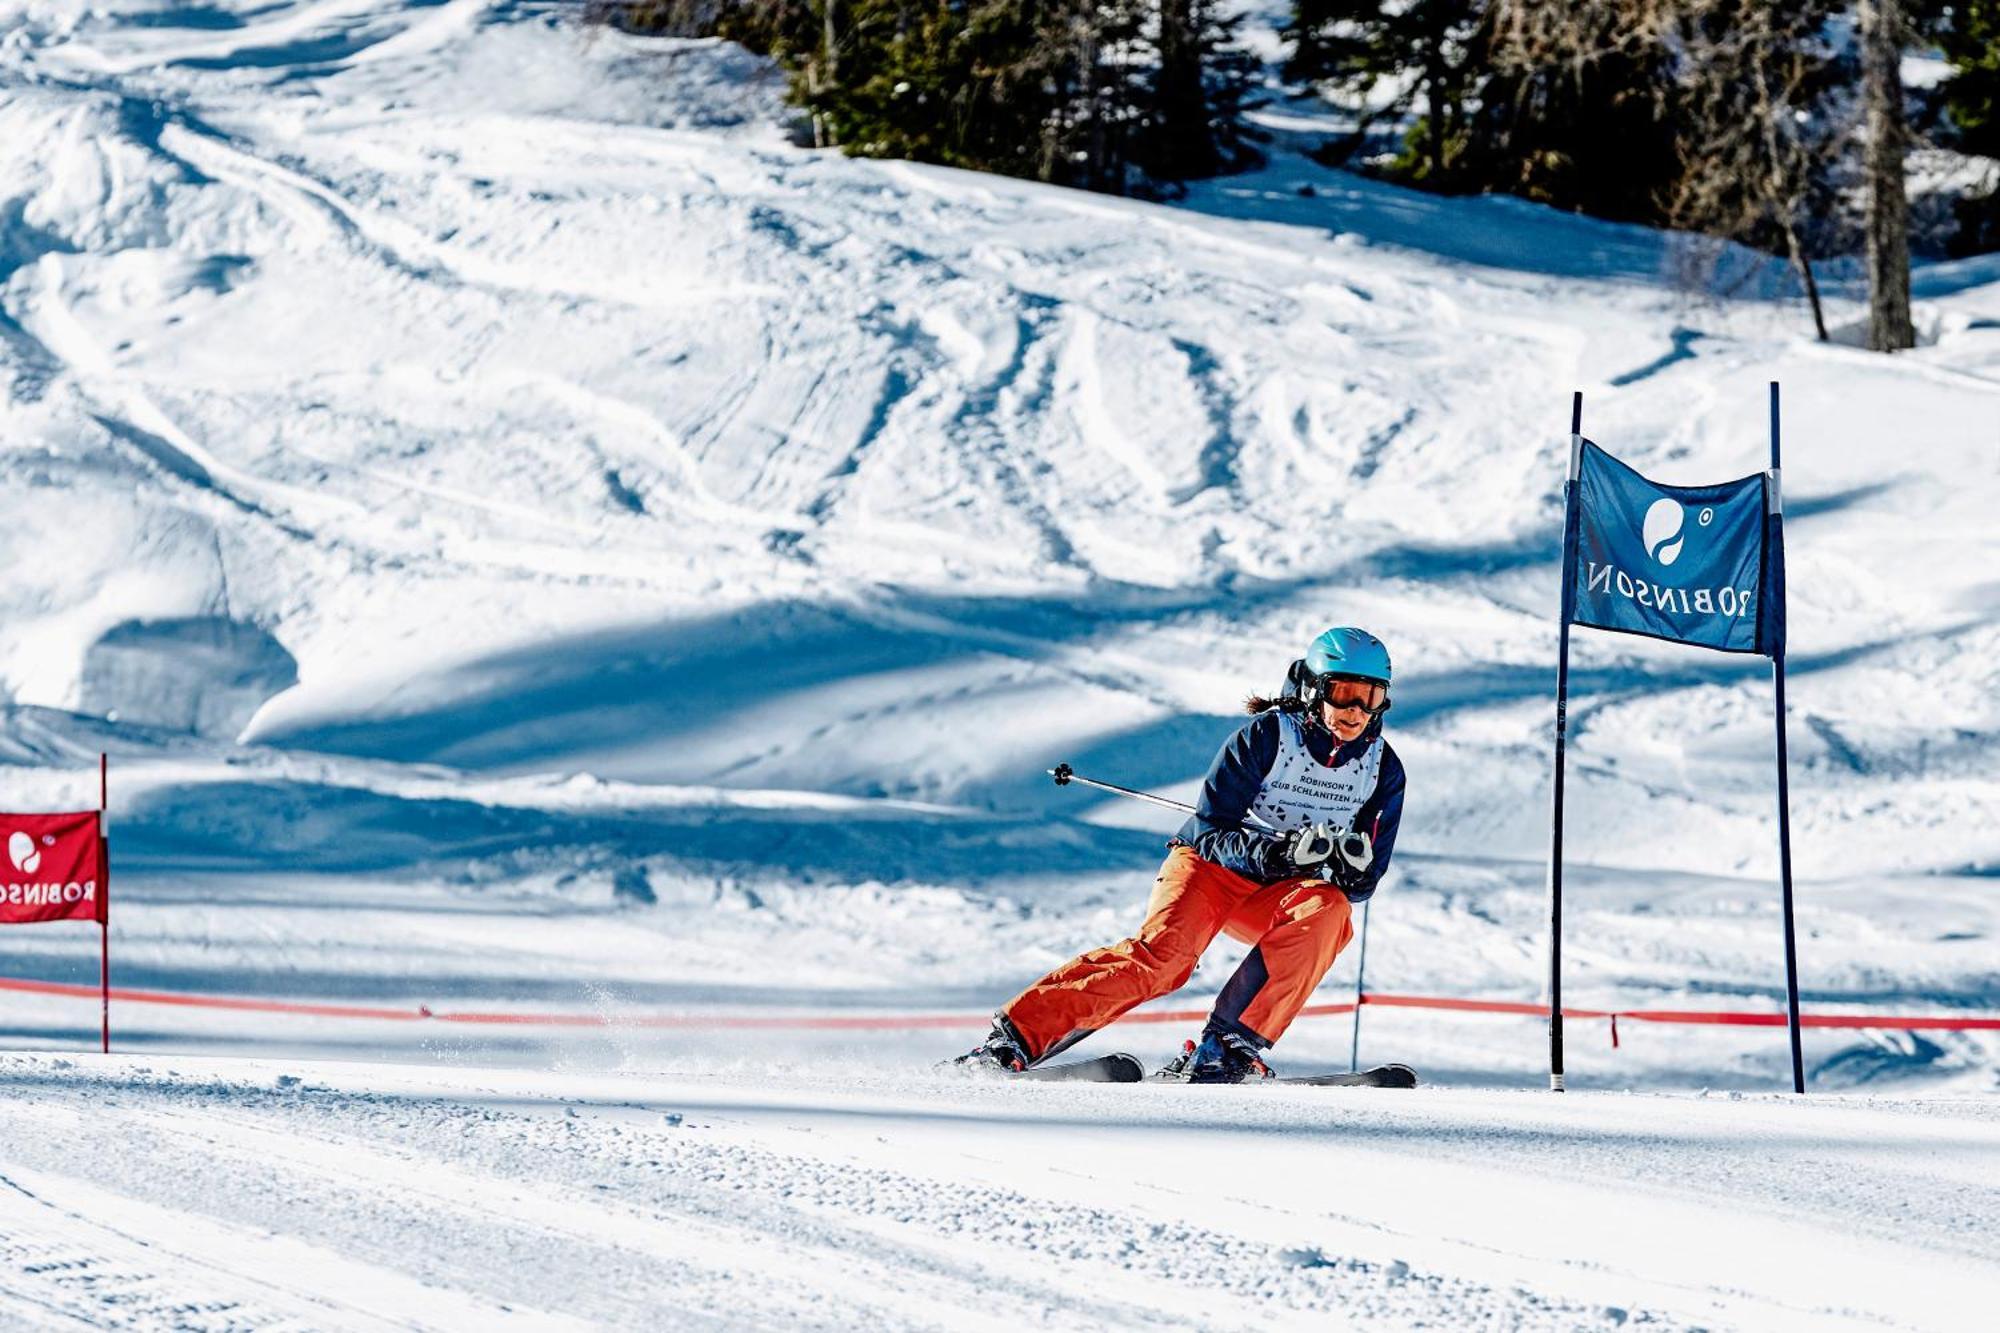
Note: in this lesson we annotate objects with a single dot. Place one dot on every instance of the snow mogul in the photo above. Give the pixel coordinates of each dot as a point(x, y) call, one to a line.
point(1296, 823)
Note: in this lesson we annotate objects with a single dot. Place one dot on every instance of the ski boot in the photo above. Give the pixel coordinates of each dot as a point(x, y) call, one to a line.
point(1220, 1057)
point(1003, 1050)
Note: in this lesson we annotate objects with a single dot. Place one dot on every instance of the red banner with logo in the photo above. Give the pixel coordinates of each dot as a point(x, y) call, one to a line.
point(54, 868)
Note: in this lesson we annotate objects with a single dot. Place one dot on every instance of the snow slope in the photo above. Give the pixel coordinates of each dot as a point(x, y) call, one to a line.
point(233, 1194)
point(428, 397)
point(533, 539)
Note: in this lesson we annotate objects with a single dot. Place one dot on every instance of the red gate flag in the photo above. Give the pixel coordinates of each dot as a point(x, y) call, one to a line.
point(54, 869)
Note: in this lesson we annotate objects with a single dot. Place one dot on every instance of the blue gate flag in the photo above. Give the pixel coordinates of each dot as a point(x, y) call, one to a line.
point(1691, 564)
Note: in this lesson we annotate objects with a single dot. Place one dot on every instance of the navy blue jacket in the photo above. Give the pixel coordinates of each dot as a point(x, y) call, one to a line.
point(1216, 832)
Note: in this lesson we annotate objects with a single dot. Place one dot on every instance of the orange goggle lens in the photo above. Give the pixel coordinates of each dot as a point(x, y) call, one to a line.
point(1366, 695)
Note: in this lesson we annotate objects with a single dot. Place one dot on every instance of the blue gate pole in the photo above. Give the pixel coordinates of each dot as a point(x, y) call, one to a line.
point(1360, 974)
point(1562, 733)
point(1776, 504)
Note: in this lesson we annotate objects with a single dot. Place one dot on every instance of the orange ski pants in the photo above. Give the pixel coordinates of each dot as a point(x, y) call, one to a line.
point(1298, 927)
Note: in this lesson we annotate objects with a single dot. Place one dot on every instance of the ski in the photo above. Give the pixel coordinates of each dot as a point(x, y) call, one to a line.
point(1117, 1068)
point(1381, 1076)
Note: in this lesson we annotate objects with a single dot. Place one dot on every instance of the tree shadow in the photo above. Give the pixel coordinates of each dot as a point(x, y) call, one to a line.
point(285, 827)
point(710, 699)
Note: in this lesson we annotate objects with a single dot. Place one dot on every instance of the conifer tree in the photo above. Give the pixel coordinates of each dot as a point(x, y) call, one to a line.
point(1428, 56)
point(1085, 58)
point(1967, 34)
point(1579, 110)
point(883, 77)
point(1970, 41)
point(1202, 85)
point(1104, 94)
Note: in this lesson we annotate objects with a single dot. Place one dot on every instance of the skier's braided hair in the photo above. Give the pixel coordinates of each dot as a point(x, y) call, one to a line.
point(1299, 695)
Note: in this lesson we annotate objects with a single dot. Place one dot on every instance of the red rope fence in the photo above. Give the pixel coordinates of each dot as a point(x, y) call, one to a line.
point(884, 1022)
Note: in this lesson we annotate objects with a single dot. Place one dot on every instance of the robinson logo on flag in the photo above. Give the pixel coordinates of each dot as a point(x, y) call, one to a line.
point(1664, 523)
point(1662, 530)
point(23, 852)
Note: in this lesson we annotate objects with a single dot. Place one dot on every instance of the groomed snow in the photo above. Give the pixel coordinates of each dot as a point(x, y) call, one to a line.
point(254, 1193)
point(533, 539)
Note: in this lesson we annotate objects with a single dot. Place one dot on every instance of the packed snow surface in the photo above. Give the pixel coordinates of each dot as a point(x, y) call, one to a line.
point(535, 540)
point(236, 1194)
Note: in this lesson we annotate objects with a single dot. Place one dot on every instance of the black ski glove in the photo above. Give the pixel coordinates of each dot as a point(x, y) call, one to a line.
point(1352, 856)
point(1321, 852)
point(1299, 855)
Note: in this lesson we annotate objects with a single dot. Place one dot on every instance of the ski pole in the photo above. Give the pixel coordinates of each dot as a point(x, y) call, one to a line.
point(1064, 775)
point(1358, 848)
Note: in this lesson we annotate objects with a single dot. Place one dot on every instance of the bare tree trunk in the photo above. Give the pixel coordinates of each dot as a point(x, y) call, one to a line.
point(1186, 147)
point(1056, 131)
point(1784, 191)
point(827, 73)
point(1100, 145)
point(1888, 221)
point(1804, 266)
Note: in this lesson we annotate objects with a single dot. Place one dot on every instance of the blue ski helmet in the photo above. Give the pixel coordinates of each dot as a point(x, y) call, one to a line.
point(1346, 651)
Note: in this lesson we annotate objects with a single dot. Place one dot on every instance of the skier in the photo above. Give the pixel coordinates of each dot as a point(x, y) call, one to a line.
point(1270, 856)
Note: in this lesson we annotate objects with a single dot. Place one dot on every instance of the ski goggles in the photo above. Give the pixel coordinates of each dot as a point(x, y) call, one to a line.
point(1341, 693)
